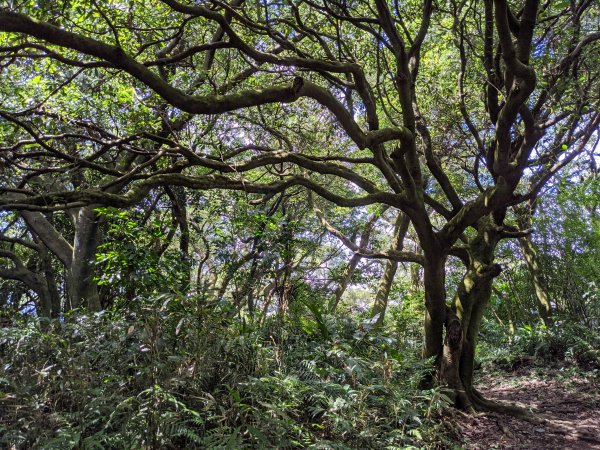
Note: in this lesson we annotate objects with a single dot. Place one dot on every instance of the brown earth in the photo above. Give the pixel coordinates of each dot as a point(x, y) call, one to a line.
point(567, 405)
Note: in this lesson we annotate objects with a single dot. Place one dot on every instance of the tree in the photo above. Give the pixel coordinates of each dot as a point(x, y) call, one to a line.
point(451, 114)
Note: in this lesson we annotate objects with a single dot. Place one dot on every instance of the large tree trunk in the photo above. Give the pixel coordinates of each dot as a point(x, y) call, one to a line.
point(463, 322)
point(434, 277)
point(78, 259)
point(82, 289)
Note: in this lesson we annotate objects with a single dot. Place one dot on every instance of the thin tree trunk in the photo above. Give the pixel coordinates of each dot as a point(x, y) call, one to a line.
point(231, 271)
point(250, 283)
point(268, 293)
point(285, 290)
point(383, 292)
point(509, 311)
point(541, 295)
point(365, 237)
point(389, 271)
point(344, 282)
point(177, 195)
point(525, 220)
point(287, 257)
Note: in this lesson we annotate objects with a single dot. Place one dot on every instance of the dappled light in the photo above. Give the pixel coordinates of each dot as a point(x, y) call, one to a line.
point(239, 224)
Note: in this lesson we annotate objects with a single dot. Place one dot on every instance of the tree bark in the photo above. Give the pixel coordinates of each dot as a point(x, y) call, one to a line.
point(49, 276)
point(383, 292)
point(472, 297)
point(541, 295)
point(177, 195)
point(78, 259)
point(83, 291)
point(389, 271)
point(434, 278)
point(33, 282)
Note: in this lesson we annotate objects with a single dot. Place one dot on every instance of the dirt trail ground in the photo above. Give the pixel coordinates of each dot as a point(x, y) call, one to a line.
point(569, 404)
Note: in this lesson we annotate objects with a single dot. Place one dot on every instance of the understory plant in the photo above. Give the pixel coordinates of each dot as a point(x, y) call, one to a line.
point(180, 372)
point(565, 343)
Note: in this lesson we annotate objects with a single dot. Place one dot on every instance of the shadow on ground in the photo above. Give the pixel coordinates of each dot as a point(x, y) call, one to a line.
point(568, 404)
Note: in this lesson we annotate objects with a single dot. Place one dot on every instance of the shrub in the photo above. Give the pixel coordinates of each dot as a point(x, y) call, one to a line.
point(178, 372)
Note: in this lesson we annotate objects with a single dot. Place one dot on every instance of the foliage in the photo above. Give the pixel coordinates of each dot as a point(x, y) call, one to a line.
point(566, 238)
point(234, 182)
point(135, 255)
point(569, 225)
point(565, 343)
point(179, 372)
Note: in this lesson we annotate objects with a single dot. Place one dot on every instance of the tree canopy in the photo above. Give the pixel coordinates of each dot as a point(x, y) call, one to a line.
point(137, 129)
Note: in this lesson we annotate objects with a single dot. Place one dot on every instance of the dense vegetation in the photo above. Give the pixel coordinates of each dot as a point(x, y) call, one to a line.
point(297, 224)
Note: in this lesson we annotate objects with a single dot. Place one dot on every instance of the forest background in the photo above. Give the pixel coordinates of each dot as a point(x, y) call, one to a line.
point(291, 224)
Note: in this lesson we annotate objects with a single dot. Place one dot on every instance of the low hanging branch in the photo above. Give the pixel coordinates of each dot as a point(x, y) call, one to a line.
point(392, 254)
point(54, 201)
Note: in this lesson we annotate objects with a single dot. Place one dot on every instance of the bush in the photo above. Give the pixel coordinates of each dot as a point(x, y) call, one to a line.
point(180, 373)
point(564, 342)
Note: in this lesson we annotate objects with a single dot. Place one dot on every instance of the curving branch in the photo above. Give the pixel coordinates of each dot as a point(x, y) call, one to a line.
point(390, 254)
point(212, 104)
point(53, 201)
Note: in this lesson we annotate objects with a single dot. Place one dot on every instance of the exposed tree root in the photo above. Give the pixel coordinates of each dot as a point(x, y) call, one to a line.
point(480, 406)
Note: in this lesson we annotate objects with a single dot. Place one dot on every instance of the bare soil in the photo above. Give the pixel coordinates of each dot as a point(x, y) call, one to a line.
point(567, 404)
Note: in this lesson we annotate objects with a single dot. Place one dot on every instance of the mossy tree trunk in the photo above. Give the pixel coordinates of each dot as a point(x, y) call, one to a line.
point(463, 319)
point(389, 271)
point(541, 294)
point(434, 281)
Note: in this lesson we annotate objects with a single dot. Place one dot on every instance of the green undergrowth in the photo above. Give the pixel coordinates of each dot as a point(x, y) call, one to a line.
point(178, 373)
point(564, 344)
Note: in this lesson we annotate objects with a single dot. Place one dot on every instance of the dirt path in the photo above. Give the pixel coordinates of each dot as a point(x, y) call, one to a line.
point(569, 403)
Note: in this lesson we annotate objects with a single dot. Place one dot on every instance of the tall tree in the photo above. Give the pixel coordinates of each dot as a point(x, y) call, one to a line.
point(452, 114)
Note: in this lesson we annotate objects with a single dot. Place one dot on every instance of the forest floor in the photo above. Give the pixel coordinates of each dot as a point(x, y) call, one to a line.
point(568, 403)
